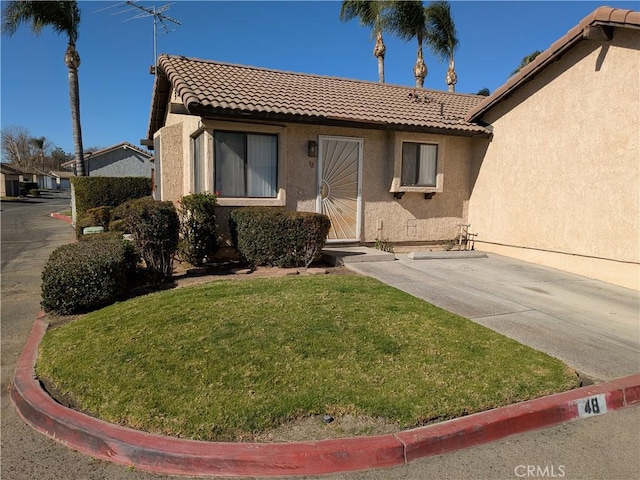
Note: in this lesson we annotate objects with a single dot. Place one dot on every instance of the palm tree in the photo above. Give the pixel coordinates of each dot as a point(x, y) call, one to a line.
point(442, 37)
point(408, 21)
point(526, 61)
point(38, 142)
point(371, 14)
point(63, 17)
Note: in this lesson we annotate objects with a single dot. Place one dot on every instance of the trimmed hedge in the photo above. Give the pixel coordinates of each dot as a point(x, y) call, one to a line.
point(83, 276)
point(198, 229)
point(154, 226)
point(92, 192)
point(273, 236)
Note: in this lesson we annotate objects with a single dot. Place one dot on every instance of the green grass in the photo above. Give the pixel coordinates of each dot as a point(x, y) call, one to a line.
point(226, 360)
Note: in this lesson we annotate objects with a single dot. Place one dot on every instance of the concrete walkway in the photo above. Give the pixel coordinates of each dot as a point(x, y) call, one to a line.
point(590, 325)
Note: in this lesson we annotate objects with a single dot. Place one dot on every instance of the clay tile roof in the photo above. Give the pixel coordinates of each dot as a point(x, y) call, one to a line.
point(601, 17)
point(210, 88)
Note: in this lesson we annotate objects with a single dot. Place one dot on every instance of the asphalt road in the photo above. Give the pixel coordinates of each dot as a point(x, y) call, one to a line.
point(603, 447)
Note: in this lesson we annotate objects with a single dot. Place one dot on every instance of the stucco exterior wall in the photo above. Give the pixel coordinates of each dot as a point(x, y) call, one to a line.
point(122, 162)
point(409, 219)
point(559, 181)
point(172, 158)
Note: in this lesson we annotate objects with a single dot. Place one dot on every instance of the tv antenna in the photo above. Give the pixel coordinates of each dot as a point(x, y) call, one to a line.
point(159, 17)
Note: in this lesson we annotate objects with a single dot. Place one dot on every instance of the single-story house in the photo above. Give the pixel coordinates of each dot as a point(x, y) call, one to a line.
point(544, 169)
point(121, 160)
point(62, 179)
point(10, 182)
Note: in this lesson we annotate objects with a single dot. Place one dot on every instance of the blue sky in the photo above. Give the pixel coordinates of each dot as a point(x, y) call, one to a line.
point(300, 36)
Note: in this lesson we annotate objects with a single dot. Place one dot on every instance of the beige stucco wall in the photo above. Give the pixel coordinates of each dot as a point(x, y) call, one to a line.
point(559, 182)
point(409, 219)
point(172, 158)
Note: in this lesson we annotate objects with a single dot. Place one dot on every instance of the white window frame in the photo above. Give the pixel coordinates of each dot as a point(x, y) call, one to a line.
point(422, 139)
point(211, 126)
point(417, 168)
point(199, 177)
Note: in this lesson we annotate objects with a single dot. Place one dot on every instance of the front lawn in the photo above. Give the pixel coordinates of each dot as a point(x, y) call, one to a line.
point(228, 360)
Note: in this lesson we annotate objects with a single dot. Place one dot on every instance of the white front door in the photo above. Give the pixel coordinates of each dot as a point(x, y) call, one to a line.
point(339, 178)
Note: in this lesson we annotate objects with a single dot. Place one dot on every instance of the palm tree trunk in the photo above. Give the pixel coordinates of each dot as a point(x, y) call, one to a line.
point(379, 50)
point(72, 59)
point(452, 76)
point(420, 69)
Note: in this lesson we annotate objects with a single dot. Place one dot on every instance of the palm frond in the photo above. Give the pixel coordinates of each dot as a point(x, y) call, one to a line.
point(407, 20)
point(62, 16)
point(442, 37)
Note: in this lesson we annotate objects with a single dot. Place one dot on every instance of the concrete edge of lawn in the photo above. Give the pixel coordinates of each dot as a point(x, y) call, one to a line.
point(172, 456)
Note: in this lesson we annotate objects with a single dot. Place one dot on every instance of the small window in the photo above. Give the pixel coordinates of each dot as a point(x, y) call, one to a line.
point(246, 164)
point(419, 164)
point(199, 179)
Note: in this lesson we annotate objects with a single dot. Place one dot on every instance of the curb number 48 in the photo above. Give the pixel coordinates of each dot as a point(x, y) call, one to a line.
point(590, 406)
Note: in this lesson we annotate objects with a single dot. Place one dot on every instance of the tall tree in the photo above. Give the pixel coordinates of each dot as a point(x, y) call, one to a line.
point(442, 37)
point(39, 144)
point(372, 14)
point(17, 148)
point(64, 18)
point(408, 21)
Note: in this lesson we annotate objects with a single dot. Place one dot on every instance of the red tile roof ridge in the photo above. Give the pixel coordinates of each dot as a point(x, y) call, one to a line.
point(601, 16)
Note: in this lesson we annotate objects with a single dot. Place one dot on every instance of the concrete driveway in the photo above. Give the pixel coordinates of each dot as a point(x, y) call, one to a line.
point(590, 325)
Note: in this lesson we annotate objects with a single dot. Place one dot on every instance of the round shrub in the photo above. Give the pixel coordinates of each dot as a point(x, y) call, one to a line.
point(83, 276)
point(278, 237)
point(154, 226)
point(34, 192)
point(198, 229)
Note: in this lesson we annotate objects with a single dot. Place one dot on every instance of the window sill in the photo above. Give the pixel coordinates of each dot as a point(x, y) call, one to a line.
point(279, 201)
point(405, 189)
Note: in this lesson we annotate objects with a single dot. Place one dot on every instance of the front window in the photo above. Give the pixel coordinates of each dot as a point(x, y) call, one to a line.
point(246, 164)
point(419, 164)
point(199, 178)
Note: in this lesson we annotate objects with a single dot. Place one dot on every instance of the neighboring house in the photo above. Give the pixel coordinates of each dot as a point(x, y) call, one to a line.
point(547, 164)
point(559, 181)
point(13, 173)
point(10, 182)
point(121, 160)
point(62, 180)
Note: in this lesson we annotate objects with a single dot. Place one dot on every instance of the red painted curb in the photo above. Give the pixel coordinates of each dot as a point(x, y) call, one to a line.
point(172, 456)
point(64, 218)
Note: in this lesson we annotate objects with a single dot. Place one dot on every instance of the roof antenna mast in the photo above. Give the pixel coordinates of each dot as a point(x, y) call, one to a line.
point(159, 17)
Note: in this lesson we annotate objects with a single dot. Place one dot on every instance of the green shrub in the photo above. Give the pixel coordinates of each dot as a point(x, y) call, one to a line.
point(154, 226)
point(83, 276)
point(94, 217)
point(91, 192)
point(198, 228)
point(277, 237)
point(117, 226)
point(34, 192)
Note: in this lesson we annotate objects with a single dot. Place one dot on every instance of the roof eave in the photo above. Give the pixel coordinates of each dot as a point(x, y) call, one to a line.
point(243, 116)
point(596, 26)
